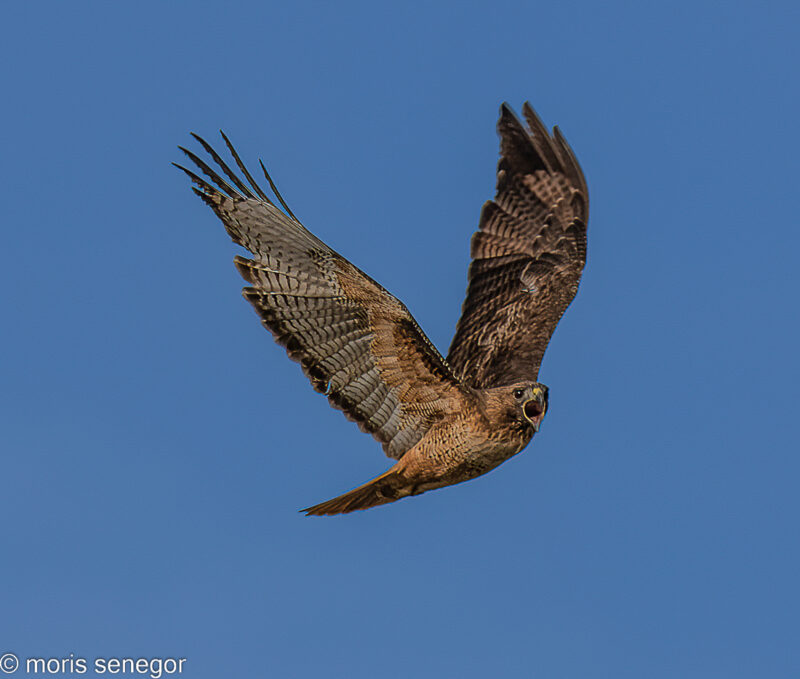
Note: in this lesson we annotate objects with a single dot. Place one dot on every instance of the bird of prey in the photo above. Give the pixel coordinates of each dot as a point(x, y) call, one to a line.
point(443, 420)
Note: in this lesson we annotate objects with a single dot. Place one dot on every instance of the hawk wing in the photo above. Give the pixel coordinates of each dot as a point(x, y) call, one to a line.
point(527, 256)
point(356, 343)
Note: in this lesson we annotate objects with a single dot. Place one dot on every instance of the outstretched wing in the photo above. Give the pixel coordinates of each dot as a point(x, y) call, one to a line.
point(357, 344)
point(527, 256)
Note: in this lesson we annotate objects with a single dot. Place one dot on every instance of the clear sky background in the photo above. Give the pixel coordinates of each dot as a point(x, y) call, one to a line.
point(156, 444)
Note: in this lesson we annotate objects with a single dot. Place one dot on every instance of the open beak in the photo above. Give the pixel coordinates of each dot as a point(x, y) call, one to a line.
point(534, 412)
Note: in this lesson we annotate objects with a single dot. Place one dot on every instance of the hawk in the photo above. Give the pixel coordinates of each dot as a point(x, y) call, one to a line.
point(444, 421)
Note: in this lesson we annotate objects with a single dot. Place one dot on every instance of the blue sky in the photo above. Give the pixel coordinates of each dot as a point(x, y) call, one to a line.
point(156, 444)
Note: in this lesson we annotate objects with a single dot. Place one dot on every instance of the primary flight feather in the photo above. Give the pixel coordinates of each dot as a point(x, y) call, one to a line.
point(444, 421)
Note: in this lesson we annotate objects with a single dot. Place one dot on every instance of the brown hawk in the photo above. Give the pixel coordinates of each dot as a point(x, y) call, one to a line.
point(443, 420)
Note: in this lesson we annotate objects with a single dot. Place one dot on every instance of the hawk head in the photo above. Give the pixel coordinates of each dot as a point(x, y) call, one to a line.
point(531, 400)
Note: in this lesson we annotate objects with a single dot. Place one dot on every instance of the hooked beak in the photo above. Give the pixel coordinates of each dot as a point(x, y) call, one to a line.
point(533, 410)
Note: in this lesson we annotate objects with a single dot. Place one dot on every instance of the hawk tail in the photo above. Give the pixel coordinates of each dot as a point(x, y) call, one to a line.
point(387, 487)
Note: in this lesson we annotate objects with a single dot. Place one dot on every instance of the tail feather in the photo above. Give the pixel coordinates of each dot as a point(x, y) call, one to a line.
point(386, 488)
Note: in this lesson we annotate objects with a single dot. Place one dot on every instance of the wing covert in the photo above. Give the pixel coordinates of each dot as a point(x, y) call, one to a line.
point(527, 256)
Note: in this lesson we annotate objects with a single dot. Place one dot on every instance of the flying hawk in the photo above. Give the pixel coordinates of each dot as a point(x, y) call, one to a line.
point(443, 420)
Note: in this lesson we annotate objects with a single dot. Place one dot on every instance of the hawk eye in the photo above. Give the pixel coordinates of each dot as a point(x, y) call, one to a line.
point(519, 393)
